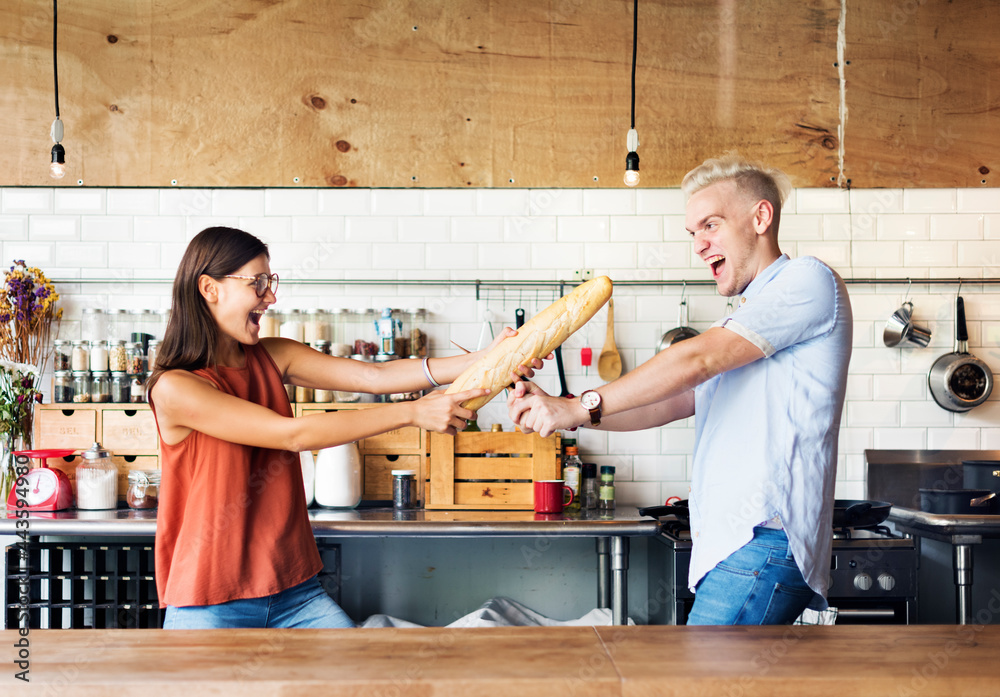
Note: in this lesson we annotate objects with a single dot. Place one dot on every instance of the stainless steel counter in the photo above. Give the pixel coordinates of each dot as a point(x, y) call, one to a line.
point(612, 532)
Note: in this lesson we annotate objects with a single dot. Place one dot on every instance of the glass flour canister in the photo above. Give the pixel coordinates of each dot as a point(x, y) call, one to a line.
point(96, 480)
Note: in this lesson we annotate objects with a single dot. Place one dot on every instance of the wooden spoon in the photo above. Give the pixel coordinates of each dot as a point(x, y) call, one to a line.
point(609, 363)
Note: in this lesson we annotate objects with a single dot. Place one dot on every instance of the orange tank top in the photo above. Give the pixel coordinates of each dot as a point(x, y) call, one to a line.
point(232, 521)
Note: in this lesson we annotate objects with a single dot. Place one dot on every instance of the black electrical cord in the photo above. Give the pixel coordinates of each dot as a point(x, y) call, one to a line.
point(635, 36)
point(55, 65)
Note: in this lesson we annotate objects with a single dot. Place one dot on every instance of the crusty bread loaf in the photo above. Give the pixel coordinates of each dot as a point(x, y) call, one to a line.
point(537, 338)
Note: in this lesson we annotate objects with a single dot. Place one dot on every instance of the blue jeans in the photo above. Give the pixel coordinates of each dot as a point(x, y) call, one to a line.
point(304, 605)
point(757, 584)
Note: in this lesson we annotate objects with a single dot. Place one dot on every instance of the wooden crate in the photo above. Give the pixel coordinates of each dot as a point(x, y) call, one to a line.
point(491, 471)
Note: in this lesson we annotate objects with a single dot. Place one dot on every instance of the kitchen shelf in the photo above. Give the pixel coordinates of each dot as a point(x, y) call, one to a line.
point(479, 283)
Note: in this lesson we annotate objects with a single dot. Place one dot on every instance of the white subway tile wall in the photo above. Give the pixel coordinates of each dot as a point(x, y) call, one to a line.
point(117, 235)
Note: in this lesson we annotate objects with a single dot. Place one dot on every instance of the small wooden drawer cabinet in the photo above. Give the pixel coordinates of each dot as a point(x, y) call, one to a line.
point(127, 430)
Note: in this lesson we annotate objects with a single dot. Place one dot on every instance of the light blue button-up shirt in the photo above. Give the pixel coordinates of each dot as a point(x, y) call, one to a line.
point(766, 433)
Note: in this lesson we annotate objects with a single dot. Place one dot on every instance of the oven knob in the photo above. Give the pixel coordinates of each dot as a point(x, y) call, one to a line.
point(886, 582)
point(863, 581)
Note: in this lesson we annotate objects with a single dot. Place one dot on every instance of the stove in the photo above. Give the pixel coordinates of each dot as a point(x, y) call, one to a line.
point(873, 575)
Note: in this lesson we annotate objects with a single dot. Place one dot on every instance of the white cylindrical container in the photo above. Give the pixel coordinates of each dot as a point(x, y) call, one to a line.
point(308, 475)
point(338, 476)
point(96, 480)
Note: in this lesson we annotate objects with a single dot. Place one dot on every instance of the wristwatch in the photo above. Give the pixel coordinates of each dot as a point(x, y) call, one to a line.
point(591, 401)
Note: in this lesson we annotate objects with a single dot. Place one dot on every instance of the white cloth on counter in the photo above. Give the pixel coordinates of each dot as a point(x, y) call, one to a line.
point(503, 612)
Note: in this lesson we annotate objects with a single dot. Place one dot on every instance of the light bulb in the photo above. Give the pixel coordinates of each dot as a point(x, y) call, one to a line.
point(57, 170)
point(632, 159)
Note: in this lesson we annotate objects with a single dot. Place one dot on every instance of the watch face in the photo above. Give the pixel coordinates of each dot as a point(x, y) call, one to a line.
point(40, 484)
point(590, 399)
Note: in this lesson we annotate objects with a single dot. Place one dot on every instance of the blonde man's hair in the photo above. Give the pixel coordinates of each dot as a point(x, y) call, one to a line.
point(752, 179)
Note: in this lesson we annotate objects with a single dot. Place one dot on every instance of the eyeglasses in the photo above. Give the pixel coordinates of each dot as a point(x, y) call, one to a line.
point(262, 282)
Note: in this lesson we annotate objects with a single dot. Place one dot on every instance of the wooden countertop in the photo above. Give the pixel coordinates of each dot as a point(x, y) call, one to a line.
point(640, 661)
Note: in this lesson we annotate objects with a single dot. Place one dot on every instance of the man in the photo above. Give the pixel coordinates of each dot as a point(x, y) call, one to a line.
point(766, 386)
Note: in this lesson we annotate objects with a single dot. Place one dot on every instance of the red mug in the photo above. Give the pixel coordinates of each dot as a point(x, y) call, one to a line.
point(549, 496)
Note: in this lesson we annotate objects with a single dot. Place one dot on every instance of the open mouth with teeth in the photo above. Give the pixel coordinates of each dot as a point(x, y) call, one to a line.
point(255, 316)
point(716, 263)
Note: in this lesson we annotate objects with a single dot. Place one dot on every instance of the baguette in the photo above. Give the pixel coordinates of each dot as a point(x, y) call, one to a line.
point(537, 338)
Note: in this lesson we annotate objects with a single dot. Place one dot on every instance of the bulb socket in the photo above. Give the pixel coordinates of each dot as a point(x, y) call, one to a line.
point(632, 162)
point(58, 154)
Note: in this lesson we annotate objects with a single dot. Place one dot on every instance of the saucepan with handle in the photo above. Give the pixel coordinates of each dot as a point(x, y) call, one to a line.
point(959, 381)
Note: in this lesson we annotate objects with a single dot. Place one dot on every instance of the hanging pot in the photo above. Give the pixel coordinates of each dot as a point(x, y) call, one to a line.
point(681, 331)
point(959, 381)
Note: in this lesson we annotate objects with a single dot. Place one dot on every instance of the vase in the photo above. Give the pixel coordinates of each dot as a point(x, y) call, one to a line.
point(8, 476)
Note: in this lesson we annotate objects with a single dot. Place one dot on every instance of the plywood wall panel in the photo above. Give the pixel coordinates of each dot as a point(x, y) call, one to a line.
point(923, 92)
point(430, 93)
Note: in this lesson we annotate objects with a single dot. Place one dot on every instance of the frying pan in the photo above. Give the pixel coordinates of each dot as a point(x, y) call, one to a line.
point(681, 331)
point(846, 513)
point(959, 381)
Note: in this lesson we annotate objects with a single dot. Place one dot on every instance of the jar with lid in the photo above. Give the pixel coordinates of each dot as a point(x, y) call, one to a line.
point(322, 396)
point(417, 342)
point(119, 325)
point(81, 385)
point(292, 326)
point(98, 356)
point(117, 360)
point(120, 387)
point(143, 489)
point(270, 324)
point(402, 488)
point(315, 327)
point(606, 492)
point(362, 332)
point(62, 387)
point(303, 395)
point(100, 386)
point(134, 358)
point(94, 325)
point(96, 480)
point(337, 321)
point(137, 389)
point(62, 354)
point(154, 346)
point(80, 358)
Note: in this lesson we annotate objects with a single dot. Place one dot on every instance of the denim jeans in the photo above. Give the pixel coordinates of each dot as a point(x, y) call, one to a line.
point(757, 584)
point(304, 605)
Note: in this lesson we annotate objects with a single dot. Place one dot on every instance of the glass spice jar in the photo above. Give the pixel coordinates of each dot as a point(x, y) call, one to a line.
point(62, 354)
point(80, 358)
point(81, 386)
point(117, 360)
point(100, 386)
point(143, 489)
point(154, 346)
point(137, 389)
point(62, 387)
point(98, 356)
point(120, 387)
point(133, 358)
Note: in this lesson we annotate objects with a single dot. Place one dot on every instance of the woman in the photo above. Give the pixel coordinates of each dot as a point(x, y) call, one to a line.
point(234, 547)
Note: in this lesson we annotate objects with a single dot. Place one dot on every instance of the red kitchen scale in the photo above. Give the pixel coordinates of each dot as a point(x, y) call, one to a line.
point(42, 488)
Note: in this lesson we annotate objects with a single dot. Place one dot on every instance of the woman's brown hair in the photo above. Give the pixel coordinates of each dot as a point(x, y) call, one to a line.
point(191, 335)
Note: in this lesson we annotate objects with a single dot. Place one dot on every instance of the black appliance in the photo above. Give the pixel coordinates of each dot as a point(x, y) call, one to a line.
point(873, 574)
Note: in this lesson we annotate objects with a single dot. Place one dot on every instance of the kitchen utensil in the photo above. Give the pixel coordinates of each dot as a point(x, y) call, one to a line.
point(41, 488)
point(609, 363)
point(958, 501)
point(681, 331)
point(848, 513)
point(901, 331)
point(563, 389)
point(959, 381)
point(518, 317)
point(981, 474)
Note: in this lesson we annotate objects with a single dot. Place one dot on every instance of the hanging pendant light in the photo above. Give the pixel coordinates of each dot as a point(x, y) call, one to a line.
point(57, 169)
point(632, 139)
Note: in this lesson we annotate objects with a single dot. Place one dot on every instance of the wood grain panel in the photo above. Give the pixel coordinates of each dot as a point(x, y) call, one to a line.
point(923, 92)
point(402, 93)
